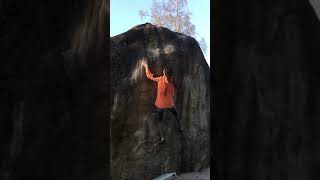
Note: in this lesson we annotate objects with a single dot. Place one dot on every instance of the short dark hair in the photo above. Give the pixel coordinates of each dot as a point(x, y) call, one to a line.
point(169, 73)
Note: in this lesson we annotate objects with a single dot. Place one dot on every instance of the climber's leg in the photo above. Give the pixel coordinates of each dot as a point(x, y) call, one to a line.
point(176, 115)
point(161, 125)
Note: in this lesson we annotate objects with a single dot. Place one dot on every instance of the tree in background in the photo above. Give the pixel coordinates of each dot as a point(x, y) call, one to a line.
point(174, 15)
point(203, 45)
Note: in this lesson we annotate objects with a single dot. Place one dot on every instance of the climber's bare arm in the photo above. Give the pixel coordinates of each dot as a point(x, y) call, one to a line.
point(148, 72)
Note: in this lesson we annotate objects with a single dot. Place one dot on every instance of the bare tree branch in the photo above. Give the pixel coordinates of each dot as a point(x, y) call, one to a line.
point(174, 15)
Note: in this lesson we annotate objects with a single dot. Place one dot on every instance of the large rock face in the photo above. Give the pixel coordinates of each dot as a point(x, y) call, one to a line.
point(266, 100)
point(134, 122)
point(53, 89)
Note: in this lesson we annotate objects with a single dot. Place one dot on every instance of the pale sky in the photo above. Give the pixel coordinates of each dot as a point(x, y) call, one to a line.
point(124, 16)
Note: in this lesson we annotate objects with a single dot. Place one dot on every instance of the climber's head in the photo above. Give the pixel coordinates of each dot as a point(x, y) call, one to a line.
point(167, 71)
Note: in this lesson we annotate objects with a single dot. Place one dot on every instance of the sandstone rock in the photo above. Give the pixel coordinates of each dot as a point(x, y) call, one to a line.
point(53, 90)
point(266, 100)
point(134, 121)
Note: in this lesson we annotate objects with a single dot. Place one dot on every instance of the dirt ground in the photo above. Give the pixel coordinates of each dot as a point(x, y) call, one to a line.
point(203, 175)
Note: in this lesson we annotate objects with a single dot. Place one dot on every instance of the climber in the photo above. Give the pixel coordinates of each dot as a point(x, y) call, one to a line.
point(165, 93)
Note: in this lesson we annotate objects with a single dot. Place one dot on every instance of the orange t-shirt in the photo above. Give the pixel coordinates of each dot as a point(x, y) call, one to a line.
point(165, 91)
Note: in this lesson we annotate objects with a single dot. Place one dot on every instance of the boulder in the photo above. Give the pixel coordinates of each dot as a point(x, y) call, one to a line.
point(134, 121)
point(53, 90)
point(266, 100)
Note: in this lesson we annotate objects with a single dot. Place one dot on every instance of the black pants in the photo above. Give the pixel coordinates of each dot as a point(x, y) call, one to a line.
point(173, 110)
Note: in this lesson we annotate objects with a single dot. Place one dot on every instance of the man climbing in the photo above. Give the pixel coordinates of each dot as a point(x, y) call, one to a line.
point(165, 93)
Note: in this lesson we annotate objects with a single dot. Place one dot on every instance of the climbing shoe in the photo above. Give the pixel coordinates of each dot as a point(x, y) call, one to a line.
point(162, 140)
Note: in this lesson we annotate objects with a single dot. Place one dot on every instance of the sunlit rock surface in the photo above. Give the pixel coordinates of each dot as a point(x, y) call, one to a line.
point(266, 93)
point(134, 122)
point(316, 6)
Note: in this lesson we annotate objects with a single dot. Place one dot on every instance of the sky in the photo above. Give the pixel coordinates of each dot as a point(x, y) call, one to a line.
point(124, 16)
